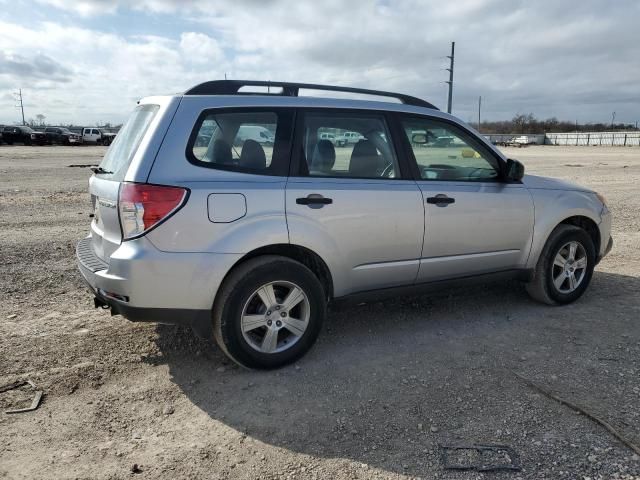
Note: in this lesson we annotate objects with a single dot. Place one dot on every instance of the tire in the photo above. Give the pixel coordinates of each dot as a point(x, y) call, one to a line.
point(238, 298)
point(542, 287)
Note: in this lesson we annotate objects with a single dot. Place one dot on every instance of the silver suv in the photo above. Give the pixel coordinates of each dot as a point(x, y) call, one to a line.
point(248, 241)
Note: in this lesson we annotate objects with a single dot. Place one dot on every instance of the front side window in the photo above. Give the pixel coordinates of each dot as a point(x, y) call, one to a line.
point(444, 152)
point(367, 153)
point(242, 141)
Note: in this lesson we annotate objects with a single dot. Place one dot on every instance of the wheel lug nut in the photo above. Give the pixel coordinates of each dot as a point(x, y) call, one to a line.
point(283, 314)
point(278, 323)
point(269, 322)
point(268, 312)
point(277, 307)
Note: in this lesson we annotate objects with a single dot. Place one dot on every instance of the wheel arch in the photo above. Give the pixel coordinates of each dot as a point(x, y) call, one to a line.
point(307, 257)
point(586, 224)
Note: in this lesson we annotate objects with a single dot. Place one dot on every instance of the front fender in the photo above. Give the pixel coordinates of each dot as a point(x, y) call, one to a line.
point(552, 207)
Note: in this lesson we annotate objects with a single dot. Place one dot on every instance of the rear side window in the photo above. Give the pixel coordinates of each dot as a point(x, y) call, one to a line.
point(123, 148)
point(347, 145)
point(251, 141)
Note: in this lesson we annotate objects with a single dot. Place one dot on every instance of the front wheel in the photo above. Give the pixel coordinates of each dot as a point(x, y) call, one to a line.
point(269, 312)
point(565, 266)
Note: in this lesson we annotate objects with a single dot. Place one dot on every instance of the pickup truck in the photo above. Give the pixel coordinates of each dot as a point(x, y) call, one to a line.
point(97, 135)
point(61, 136)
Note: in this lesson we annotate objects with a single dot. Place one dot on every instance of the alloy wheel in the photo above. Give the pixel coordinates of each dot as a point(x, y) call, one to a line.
point(569, 267)
point(275, 317)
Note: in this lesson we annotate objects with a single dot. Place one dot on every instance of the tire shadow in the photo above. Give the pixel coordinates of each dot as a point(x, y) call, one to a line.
point(389, 382)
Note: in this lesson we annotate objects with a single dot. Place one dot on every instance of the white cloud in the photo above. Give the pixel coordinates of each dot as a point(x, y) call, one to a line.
point(200, 48)
point(547, 57)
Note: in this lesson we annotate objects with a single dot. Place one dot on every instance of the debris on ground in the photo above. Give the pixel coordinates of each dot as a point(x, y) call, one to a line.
point(482, 458)
point(581, 410)
point(35, 402)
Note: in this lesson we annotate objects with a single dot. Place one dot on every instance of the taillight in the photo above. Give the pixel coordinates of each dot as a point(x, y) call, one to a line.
point(143, 206)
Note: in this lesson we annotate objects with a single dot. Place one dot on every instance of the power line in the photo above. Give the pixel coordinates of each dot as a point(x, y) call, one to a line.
point(18, 95)
point(450, 82)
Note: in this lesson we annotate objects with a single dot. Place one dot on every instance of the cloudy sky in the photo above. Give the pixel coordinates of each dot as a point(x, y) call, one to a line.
point(88, 61)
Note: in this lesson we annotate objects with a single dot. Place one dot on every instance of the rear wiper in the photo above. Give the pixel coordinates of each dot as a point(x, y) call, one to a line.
point(100, 170)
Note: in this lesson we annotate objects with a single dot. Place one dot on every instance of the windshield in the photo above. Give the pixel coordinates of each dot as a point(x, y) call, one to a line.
point(118, 157)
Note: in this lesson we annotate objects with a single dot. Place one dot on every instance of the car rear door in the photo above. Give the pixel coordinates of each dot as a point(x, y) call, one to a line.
point(121, 163)
point(354, 205)
point(474, 221)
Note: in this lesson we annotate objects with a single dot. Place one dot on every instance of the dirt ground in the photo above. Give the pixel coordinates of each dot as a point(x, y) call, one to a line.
point(386, 384)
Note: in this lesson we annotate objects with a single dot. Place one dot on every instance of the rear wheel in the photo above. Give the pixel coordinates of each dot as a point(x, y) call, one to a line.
point(565, 266)
point(269, 312)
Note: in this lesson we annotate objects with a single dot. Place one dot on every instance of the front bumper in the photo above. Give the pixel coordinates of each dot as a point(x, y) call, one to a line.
point(606, 241)
point(144, 284)
point(606, 250)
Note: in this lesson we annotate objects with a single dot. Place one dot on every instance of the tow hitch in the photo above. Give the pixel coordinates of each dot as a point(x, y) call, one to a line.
point(99, 303)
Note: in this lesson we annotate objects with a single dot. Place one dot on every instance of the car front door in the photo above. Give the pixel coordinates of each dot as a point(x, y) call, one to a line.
point(355, 206)
point(475, 222)
point(89, 135)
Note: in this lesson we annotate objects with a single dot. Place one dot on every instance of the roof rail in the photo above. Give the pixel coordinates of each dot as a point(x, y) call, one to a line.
point(232, 87)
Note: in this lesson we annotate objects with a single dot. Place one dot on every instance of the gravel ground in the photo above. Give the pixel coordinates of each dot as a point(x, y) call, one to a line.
point(386, 384)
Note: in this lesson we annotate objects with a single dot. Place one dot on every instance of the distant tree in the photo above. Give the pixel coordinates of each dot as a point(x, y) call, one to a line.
point(524, 123)
point(40, 117)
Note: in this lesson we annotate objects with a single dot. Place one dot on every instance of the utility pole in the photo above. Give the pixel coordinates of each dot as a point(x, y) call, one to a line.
point(479, 108)
point(19, 98)
point(613, 119)
point(450, 82)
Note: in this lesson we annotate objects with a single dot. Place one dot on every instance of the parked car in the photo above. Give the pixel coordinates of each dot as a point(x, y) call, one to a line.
point(62, 136)
point(348, 138)
point(1, 129)
point(328, 136)
point(97, 136)
point(17, 134)
point(248, 245)
point(38, 138)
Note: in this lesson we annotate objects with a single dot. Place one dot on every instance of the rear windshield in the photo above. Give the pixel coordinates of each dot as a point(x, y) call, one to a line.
point(123, 148)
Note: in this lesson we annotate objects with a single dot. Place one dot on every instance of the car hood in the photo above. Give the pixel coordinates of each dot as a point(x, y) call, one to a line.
point(547, 183)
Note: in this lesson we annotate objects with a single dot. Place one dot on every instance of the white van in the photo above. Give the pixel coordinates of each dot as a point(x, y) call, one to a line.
point(260, 134)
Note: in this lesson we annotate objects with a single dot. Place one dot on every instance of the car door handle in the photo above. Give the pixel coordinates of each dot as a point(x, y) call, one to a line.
point(314, 200)
point(441, 200)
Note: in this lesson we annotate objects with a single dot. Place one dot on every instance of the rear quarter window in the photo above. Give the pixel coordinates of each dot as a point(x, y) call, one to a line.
point(254, 141)
point(121, 152)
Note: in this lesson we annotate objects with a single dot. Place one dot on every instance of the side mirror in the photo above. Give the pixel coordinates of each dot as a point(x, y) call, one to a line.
point(515, 170)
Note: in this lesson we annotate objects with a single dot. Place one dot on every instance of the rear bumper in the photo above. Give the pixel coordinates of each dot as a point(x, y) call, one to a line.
point(199, 320)
point(144, 284)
